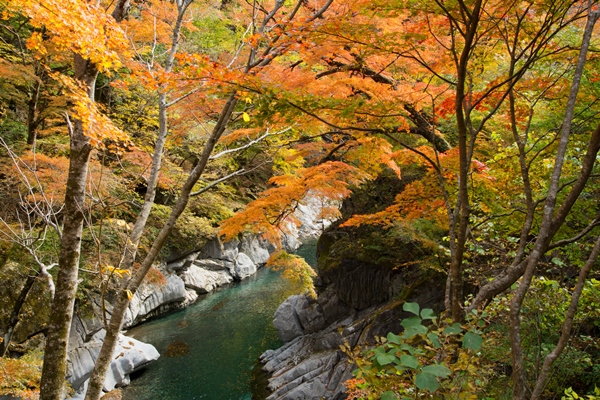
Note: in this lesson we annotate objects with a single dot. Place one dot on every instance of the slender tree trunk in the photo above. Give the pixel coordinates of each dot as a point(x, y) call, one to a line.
point(462, 212)
point(104, 359)
point(32, 122)
point(568, 323)
point(110, 340)
point(55, 355)
point(545, 234)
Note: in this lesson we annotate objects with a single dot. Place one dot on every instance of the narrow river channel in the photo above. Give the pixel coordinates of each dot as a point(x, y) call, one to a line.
point(208, 350)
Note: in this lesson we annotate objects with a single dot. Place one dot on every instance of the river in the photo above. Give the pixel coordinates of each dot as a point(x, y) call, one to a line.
point(209, 350)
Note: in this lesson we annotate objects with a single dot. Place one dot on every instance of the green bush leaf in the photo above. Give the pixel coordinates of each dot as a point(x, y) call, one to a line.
point(453, 329)
point(427, 381)
point(427, 313)
point(434, 339)
point(385, 359)
point(409, 361)
point(414, 331)
point(472, 341)
point(389, 395)
point(440, 371)
point(411, 321)
point(411, 307)
point(407, 347)
point(393, 338)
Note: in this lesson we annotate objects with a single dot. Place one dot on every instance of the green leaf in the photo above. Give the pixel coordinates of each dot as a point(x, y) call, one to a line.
point(426, 381)
point(385, 359)
point(472, 341)
point(413, 331)
point(407, 347)
point(389, 395)
point(453, 329)
point(393, 338)
point(440, 371)
point(434, 339)
point(411, 307)
point(411, 321)
point(427, 313)
point(401, 368)
point(409, 361)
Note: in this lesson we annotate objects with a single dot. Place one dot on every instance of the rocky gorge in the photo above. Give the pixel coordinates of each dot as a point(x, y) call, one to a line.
point(365, 274)
point(185, 279)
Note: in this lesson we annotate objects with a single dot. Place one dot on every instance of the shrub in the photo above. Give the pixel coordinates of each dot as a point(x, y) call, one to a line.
point(429, 359)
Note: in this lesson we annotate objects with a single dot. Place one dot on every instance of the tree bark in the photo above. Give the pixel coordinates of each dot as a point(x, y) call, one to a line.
point(55, 355)
point(568, 323)
point(462, 211)
point(103, 362)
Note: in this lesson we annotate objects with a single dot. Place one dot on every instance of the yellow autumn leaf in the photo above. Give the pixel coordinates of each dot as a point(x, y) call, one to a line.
point(246, 117)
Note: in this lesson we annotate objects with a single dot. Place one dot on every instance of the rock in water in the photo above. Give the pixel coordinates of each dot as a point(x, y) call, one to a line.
point(244, 267)
point(130, 355)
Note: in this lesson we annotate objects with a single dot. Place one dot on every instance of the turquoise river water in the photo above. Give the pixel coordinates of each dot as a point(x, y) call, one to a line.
point(210, 349)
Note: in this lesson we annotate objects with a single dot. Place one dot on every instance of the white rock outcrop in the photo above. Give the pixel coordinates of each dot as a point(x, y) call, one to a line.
point(204, 280)
point(152, 299)
point(130, 355)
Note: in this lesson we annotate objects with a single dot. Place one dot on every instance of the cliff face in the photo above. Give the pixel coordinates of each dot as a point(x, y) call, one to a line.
point(358, 301)
point(364, 276)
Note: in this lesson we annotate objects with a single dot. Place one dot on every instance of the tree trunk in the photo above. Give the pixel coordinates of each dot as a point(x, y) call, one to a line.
point(567, 325)
point(32, 122)
point(52, 386)
point(462, 211)
point(55, 355)
point(545, 233)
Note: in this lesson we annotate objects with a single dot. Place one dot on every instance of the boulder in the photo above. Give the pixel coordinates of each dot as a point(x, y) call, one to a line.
point(296, 316)
point(203, 280)
point(286, 320)
point(216, 249)
point(244, 267)
point(130, 355)
point(212, 264)
point(257, 249)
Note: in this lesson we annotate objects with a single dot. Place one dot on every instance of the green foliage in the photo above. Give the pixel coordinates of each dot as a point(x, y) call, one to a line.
point(571, 394)
point(13, 132)
point(190, 229)
point(216, 34)
point(431, 358)
point(543, 314)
